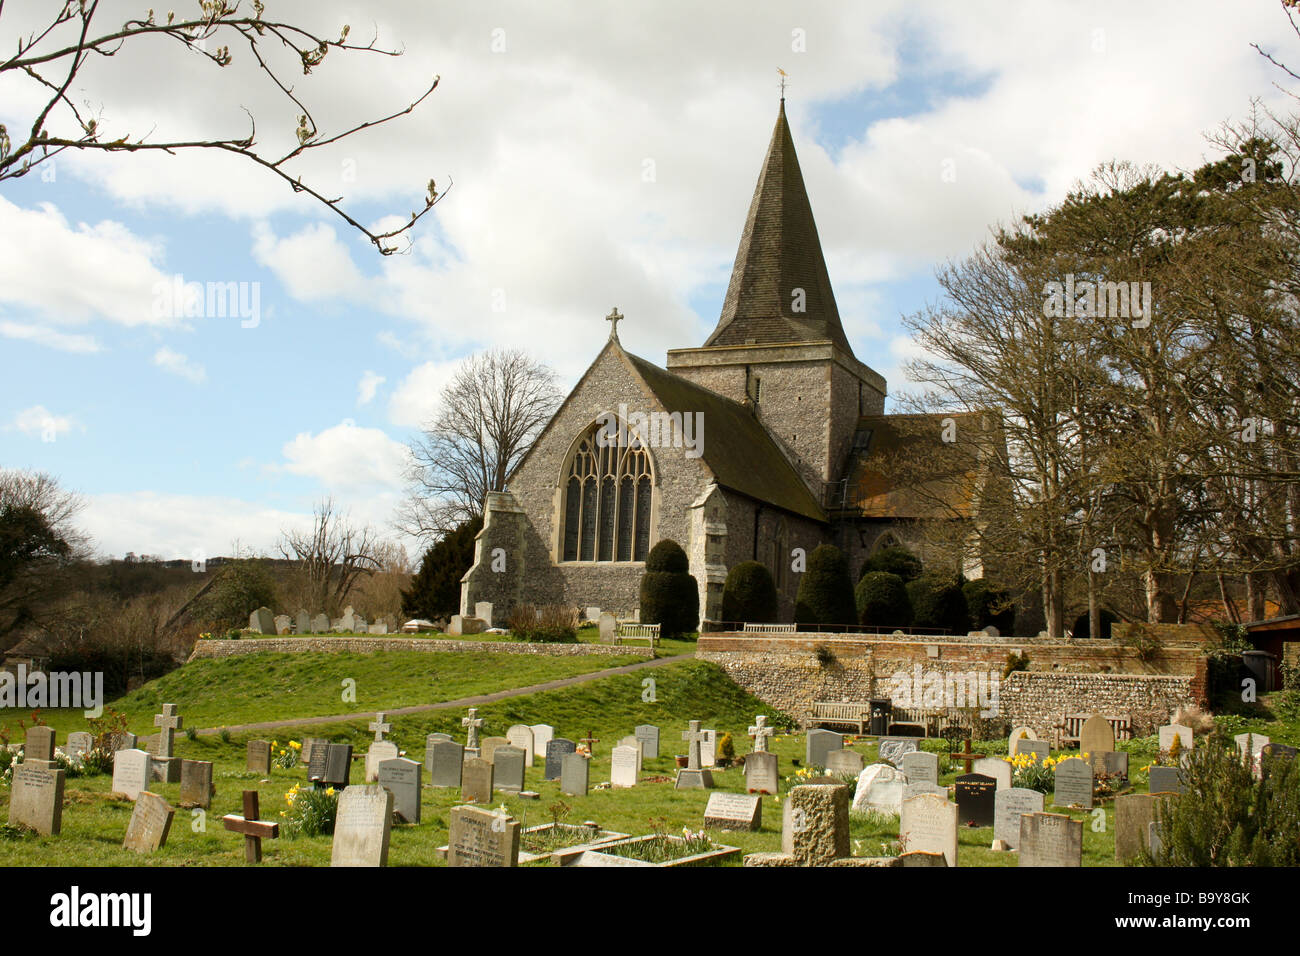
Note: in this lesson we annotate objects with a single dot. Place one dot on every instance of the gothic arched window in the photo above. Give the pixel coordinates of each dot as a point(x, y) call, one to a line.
point(607, 493)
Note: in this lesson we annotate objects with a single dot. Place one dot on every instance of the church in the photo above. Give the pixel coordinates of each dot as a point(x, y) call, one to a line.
point(759, 442)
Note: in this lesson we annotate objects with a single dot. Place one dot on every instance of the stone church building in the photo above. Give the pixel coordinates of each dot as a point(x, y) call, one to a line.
point(756, 443)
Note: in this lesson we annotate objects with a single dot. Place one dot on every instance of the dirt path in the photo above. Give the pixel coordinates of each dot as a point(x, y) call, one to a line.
point(459, 704)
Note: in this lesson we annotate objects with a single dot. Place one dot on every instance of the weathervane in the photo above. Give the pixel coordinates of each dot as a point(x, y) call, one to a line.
point(613, 319)
point(784, 74)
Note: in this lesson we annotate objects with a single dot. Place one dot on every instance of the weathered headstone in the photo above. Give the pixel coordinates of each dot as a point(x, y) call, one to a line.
point(819, 744)
point(844, 762)
point(1186, 739)
point(309, 745)
point(542, 735)
point(1134, 813)
point(608, 628)
point(733, 811)
point(283, 624)
point(709, 749)
point(261, 621)
point(196, 784)
point(445, 760)
point(1166, 780)
point(574, 775)
point(122, 740)
point(1096, 735)
point(380, 750)
point(921, 767)
point(761, 732)
point(995, 767)
point(1039, 748)
point(258, 756)
point(508, 768)
point(489, 746)
point(694, 775)
point(893, 749)
point(556, 750)
point(131, 772)
point(302, 622)
point(320, 624)
point(1114, 763)
point(81, 743)
point(1050, 839)
point(623, 767)
point(975, 794)
point(521, 736)
point(150, 822)
point(36, 789)
point(483, 611)
point(635, 744)
point(929, 823)
point(648, 734)
point(362, 827)
point(1073, 784)
point(815, 824)
point(761, 772)
point(472, 723)
point(476, 781)
point(1009, 804)
point(1020, 735)
point(403, 778)
point(880, 788)
point(338, 765)
point(481, 838)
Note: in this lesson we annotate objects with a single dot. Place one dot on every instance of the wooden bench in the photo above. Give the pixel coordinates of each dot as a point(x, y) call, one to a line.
point(629, 630)
point(769, 628)
point(1072, 726)
point(857, 716)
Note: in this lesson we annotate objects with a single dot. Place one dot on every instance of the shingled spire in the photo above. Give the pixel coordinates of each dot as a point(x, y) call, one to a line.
point(779, 254)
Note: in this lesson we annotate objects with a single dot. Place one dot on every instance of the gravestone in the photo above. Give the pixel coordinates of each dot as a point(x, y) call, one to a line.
point(338, 765)
point(1039, 748)
point(733, 811)
point(920, 858)
point(608, 628)
point(1114, 763)
point(309, 745)
point(39, 746)
point(1248, 745)
point(761, 773)
point(131, 772)
point(508, 768)
point(165, 766)
point(1009, 804)
point(975, 794)
point(445, 760)
point(1096, 735)
point(893, 749)
point(995, 767)
point(880, 787)
point(196, 784)
point(380, 726)
point(521, 736)
point(489, 746)
point(709, 749)
point(1156, 845)
point(483, 611)
point(573, 775)
point(362, 827)
point(302, 622)
point(472, 723)
point(815, 824)
point(481, 838)
point(648, 734)
point(844, 762)
point(320, 624)
point(122, 740)
point(403, 778)
point(542, 735)
point(761, 732)
point(261, 621)
point(693, 776)
point(1134, 814)
point(929, 824)
point(36, 788)
point(1073, 784)
point(623, 766)
point(1187, 740)
point(150, 822)
point(476, 781)
point(911, 790)
point(283, 624)
point(921, 767)
point(1015, 740)
point(1050, 839)
point(556, 750)
point(380, 750)
point(635, 744)
point(258, 758)
point(81, 743)
point(819, 745)
point(1166, 780)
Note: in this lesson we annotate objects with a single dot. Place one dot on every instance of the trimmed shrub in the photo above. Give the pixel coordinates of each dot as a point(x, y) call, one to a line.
point(750, 594)
point(989, 606)
point(882, 600)
point(893, 560)
point(670, 596)
point(435, 589)
point(938, 602)
point(826, 591)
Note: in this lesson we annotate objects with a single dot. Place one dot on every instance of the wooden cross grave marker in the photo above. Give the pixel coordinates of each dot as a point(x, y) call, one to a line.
point(590, 741)
point(253, 829)
point(966, 757)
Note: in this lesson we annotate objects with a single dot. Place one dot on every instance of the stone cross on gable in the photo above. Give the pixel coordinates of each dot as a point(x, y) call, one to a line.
point(253, 829)
point(694, 736)
point(379, 727)
point(760, 732)
point(169, 722)
point(613, 319)
point(473, 722)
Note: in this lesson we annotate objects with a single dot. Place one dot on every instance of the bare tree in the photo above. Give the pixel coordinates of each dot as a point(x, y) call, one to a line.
point(52, 56)
point(331, 557)
point(495, 408)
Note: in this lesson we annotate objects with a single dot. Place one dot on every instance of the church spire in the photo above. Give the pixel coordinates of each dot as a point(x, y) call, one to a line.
point(780, 291)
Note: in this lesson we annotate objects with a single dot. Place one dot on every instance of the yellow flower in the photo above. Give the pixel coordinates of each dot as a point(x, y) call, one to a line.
point(295, 745)
point(329, 791)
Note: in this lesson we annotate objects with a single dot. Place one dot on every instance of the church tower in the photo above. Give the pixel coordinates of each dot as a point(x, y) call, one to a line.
point(779, 346)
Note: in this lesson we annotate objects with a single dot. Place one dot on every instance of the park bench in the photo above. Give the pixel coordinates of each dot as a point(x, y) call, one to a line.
point(630, 630)
point(769, 628)
point(1072, 726)
point(857, 716)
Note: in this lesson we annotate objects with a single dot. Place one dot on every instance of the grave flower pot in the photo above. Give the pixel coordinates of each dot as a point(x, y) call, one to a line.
point(683, 760)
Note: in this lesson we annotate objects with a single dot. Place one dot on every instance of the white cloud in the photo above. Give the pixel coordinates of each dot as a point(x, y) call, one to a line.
point(312, 263)
point(39, 422)
point(178, 364)
point(43, 335)
point(415, 402)
point(368, 386)
point(347, 458)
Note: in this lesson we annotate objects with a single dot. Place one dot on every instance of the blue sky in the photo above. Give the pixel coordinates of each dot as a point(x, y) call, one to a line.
point(193, 434)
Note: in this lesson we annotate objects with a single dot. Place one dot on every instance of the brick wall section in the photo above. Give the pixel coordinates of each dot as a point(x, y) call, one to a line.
point(363, 645)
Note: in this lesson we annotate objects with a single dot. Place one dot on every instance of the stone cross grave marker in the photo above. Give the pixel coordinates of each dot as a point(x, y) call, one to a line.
point(472, 722)
point(761, 772)
point(508, 768)
point(165, 766)
point(380, 727)
point(131, 772)
point(648, 734)
point(1050, 839)
point(976, 795)
point(151, 821)
point(402, 777)
point(623, 766)
point(929, 823)
point(253, 829)
point(362, 827)
point(196, 784)
point(445, 760)
point(521, 736)
point(1073, 784)
point(693, 775)
point(761, 732)
point(481, 838)
point(258, 753)
point(1009, 805)
point(556, 750)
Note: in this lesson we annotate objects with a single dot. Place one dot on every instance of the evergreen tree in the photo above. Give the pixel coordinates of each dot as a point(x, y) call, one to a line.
point(825, 593)
point(435, 589)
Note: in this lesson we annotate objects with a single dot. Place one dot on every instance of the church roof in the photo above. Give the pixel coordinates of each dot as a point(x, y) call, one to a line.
point(779, 253)
point(736, 447)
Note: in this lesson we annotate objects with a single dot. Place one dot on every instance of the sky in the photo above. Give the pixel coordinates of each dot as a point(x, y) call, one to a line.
point(591, 156)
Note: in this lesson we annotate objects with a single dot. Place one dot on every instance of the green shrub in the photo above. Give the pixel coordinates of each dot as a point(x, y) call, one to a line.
point(750, 594)
point(670, 596)
point(1015, 662)
point(893, 560)
point(988, 606)
point(548, 624)
point(1225, 817)
point(882, 600)
point(435, 589)
point(938, 602)
point(825, 593)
